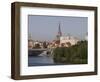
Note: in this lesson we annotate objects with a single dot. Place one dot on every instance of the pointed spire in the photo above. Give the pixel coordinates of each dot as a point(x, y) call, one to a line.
point(59, 30)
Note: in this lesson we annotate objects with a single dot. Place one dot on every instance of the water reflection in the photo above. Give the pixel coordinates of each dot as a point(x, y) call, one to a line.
point(38, 57)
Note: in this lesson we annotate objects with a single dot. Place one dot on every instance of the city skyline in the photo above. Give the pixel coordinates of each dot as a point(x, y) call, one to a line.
point(45, 28)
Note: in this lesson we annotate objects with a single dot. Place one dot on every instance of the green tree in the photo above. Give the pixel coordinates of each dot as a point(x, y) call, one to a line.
point(76, 54)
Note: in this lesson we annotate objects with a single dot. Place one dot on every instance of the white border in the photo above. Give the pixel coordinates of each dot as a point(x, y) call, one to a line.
point(25, 70)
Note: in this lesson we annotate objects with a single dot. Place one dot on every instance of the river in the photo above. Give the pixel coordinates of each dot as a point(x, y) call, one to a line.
point(40, 60)
point(39, 57)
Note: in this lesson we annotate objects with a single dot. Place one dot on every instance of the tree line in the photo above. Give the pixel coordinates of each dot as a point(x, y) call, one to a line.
point(76, 54)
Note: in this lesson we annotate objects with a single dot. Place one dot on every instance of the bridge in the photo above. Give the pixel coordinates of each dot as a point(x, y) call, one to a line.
point(37, 52)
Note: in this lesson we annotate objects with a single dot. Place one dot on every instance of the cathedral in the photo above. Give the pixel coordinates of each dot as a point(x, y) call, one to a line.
point(65, 40)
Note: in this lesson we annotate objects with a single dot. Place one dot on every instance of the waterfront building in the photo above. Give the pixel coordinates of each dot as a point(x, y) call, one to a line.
point(30, 44)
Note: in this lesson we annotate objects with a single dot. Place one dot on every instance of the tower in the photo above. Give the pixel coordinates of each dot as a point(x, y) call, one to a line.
point(29, 37)
point(59, 32)
point(86, 36)
point(30, 42)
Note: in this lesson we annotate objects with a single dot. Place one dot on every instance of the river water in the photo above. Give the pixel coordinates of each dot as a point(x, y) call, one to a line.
point(40, 60)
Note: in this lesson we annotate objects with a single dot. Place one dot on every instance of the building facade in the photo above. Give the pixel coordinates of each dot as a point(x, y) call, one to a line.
point(68, 40)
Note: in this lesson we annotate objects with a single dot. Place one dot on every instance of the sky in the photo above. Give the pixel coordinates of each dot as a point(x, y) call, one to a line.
point(45, 28)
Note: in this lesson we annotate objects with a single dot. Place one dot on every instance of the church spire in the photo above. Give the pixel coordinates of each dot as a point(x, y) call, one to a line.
point(59, 32)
